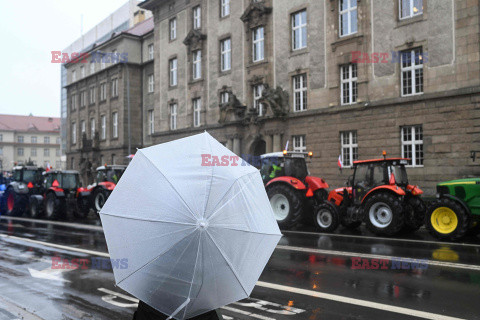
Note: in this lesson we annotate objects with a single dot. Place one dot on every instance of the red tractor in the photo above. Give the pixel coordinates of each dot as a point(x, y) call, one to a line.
point(293, 193)
point(106, 180)
point(61, 192)
point(379, 194)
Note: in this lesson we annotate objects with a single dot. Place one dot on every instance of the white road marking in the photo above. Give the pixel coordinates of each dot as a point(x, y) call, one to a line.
point(56, 223)
point(99, 228)
point(376, 256)
point(311, 293)
point(58, 246)
point(289, 248)
point(134, 300)
point(358, 302)
point(382, 238)
point(49, 274)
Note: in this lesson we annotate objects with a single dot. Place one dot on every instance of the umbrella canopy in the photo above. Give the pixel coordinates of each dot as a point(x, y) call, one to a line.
point(195, 224)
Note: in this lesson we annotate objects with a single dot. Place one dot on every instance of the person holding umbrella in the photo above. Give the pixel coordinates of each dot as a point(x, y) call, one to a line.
point(197, 237)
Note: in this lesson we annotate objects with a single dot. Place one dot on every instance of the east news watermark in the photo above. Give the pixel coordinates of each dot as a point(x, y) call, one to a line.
point(89, 57)
point(359, 263)
point(60, 263)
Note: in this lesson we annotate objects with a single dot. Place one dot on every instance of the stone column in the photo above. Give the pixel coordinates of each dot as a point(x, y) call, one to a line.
point(268, 143)
point(277, 143)
point(236, 146)
point(230, 144)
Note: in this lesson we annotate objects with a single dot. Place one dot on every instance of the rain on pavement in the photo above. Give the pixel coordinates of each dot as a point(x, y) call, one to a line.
point(310, 276)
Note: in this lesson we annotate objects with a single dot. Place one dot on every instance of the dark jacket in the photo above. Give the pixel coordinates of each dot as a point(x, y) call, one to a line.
point(145, 312)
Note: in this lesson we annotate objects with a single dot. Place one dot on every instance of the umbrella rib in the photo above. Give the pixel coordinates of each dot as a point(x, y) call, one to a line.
point(229, 264)
point(219, 226)
point(148, 220)
point(233, 197)
point(193, 276)
point(171, 185)
point(158, 256)
point(211, 181)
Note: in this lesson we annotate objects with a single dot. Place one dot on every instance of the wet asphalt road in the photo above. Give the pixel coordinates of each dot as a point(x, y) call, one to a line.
point(310, 276)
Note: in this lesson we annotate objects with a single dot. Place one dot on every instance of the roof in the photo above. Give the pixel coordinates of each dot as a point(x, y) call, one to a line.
point(29, 123)
point(142, 28)
point(379, 160)
point(113, 166)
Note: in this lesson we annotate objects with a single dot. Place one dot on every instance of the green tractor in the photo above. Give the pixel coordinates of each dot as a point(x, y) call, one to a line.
point(456, 210)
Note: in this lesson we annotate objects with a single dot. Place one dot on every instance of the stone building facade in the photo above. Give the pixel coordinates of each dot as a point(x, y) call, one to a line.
point(336, 77)
point(100, 93)
point(420, 100)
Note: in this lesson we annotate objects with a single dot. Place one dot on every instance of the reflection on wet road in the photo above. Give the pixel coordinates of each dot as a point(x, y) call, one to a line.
point(310, 276)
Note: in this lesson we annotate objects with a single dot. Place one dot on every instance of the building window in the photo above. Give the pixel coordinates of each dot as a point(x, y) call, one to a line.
point(83, 128)
point(92, 128)
point(173, 29)
point(33, 139)
point(57, 153)
point(257, 95)
point(258, 44)
point(348, 17)
point(46, 152)
point(197, 106)
point(299, 144)
point(33, 152)
point(173, 72)
point(349, 90)
point(225, 5)
point(412, 145)
point(412, 72)
point(57, 140)
point(150, 51)
point(74, 133)
point(20, 152)
point(103, 121)
point(173, 116)
point(151, 83)
point(224, 97)
point(410, 8)
point(349, 147)
point(46, 140)
point(92, 68)
point(197, 17)
point(151, 122)
point(74, 75)
point(226, 54)
point(82, 72)
point(20, 139)
point(197, 64)
point(103, 91)
point(72, 102)
point(300, 93)
point(92, 95)
point(115, 124)
point(83, 99)
point(299, 30)
point(115, 88)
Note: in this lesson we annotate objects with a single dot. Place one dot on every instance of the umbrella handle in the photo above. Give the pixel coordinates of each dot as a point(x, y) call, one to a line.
point(183, 305)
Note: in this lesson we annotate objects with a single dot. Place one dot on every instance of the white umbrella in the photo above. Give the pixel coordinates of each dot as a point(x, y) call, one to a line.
point(197, 232)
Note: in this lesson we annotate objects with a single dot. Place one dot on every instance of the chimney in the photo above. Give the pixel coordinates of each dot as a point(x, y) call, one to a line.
point(138, 17)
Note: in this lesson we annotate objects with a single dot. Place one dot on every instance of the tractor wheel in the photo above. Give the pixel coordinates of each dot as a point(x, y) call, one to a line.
point(351, 225)
point(414, 214)
point(326, 217)
point(82, 209)
point(16, 203)
point(54, 207)
point(287, 205)
point(384, 214)
point(35, 209)
point(100, 196)
point(446, 219)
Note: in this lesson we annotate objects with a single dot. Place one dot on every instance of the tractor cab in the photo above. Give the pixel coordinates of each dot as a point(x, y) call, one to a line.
point(111, 173)
point(68, 181)
point(27, 176)
point(284, 164)
point(371, 174)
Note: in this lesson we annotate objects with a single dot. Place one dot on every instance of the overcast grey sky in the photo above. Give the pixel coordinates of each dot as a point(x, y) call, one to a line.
point(30, 30)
